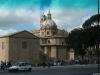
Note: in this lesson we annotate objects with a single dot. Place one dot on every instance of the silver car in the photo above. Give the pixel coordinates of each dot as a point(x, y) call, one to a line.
point(20, 66)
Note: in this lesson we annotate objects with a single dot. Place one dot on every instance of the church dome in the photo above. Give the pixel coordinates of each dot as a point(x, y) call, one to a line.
point(50, 24)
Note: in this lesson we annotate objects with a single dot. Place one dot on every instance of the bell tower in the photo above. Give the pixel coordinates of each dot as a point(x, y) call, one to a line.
point(42, 19)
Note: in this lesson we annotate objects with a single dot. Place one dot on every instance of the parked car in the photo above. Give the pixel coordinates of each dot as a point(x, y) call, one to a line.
point(20, 66)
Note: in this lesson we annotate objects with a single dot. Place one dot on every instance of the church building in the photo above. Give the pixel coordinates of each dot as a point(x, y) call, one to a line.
point(52, 39)
point(26, 46)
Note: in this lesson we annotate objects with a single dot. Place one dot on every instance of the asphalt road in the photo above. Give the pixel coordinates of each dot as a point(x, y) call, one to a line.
point(74, 70)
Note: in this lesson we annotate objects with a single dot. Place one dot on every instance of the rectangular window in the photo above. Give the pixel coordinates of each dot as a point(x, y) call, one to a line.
point(24, 44)
point(2, 45)
point(43, 41)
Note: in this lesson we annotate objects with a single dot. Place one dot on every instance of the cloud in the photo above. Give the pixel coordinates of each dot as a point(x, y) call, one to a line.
point(5, 32)
point(46, 3)
point(70, 18)
point(69, 14)
point(28, 19)
point(11, 18)
point(13, 4)
point(68, 4)
point(17, 15)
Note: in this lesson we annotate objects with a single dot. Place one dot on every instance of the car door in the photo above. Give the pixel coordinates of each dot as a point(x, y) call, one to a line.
point(22, 66)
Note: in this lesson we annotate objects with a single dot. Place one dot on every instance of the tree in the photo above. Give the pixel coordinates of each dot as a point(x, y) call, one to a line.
point(75, 41)
point(92, 30)
point(43, 58)
point(92, 21)
point(81, 38)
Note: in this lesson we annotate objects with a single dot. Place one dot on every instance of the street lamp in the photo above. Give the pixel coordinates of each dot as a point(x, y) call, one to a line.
point(97, 45)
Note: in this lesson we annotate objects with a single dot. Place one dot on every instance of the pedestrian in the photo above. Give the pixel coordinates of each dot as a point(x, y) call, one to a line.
point(2, 65)
point(49, 64)
point(8, 64)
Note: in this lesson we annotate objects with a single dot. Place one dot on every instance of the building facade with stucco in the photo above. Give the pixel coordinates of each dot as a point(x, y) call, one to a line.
point(20, 46)
point(52, 40)
point(26, 46)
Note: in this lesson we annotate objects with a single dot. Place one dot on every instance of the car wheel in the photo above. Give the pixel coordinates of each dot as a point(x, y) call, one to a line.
point(14, 70)
point(30, 69)
point(10, 70)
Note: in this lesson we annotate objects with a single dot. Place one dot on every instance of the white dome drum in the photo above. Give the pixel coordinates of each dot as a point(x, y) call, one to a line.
point(50, 24)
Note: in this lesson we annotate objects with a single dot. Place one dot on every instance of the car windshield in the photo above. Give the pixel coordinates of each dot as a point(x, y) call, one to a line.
point(19, 64)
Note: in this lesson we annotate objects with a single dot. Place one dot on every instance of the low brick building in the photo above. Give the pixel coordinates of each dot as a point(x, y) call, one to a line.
point(20, 46)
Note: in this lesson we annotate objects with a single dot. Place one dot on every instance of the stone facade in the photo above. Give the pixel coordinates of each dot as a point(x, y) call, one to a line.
point(25, 46)
point(4, 49)
point(21, 46)
point(52, 39)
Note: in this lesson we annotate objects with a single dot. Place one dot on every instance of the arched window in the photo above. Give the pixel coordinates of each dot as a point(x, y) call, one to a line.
point(62, 43)
point(47, 33)
point(48, 41)
point(42, 33)
point(54, 33)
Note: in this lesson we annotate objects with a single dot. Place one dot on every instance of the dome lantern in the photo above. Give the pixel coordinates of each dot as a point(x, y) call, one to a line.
point(49, 15)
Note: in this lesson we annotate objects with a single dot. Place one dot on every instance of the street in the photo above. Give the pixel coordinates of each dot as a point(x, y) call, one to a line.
point(65, 70)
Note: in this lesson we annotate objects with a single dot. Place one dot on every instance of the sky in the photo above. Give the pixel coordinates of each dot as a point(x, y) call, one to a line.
point(18, 15)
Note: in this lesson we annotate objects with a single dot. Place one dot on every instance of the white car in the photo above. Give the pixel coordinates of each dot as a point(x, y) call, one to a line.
point(20, 66)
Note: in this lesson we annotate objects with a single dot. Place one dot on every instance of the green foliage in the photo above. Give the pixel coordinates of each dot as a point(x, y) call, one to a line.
point(81, 38)
point(92, 30)
point(43, 57)
point(75, 40)
point(34, 62)
point(92, 21)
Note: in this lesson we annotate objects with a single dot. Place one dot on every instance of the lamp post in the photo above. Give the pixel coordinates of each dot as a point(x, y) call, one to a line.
point(97, 45)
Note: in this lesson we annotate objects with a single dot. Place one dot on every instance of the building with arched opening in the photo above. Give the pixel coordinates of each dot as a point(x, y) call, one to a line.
point(52, 40)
